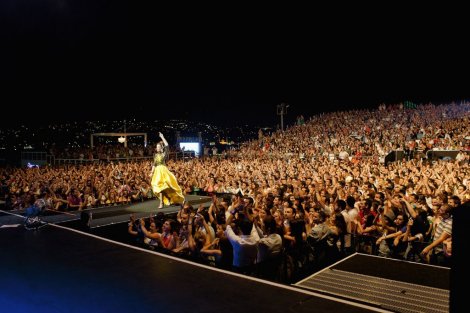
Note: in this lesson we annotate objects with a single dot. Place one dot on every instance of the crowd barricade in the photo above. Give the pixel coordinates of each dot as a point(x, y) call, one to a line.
point(176, 156)
point(365, 243)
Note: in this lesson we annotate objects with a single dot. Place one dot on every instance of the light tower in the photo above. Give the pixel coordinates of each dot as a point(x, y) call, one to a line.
point(281, 110)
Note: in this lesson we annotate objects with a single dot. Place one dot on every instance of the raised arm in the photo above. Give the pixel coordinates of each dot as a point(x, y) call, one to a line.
point(163, 139)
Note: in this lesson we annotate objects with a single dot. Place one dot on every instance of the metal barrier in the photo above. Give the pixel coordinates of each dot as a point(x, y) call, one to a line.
point(176, 156)
point(33, 158)
point(74, 161)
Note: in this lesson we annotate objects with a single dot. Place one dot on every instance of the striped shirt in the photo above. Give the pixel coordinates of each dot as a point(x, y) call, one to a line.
point(444, 226)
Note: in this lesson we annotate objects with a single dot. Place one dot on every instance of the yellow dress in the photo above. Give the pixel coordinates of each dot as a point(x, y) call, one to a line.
point(163, 181)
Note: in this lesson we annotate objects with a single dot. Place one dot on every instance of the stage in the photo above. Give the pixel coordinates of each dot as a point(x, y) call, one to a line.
point(112, 215)
point(77, 264)
point(58, 269)
point(108, 215)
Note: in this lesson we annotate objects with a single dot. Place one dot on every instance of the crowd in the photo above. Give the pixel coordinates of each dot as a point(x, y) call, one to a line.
point(106, 152)
point(303, 197)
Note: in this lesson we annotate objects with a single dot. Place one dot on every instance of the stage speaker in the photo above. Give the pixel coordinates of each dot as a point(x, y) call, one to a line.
point(399, 155)
point(460, 271)
point(441, 154)
point(395, 155)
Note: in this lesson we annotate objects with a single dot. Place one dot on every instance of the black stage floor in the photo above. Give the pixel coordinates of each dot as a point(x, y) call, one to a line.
point(57, 269)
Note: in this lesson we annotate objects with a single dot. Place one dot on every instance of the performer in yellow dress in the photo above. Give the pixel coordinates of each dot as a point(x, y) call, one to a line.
point(164, 183)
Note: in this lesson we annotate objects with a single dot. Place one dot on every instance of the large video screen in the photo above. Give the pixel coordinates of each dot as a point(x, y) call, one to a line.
point(191, 146)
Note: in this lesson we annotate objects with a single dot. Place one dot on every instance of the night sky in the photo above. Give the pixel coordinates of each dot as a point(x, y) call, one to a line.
point(91, 56)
